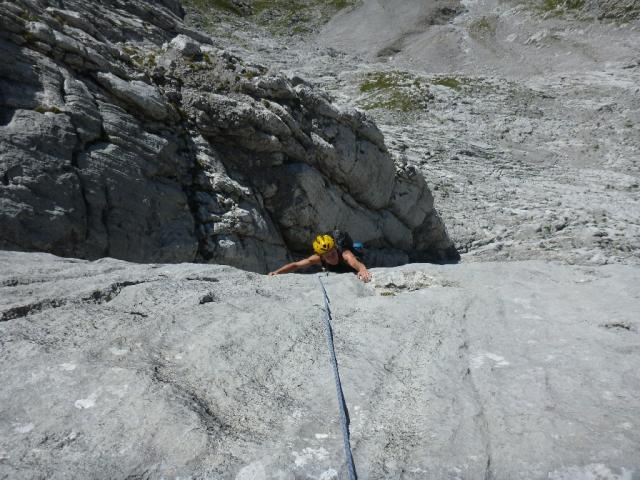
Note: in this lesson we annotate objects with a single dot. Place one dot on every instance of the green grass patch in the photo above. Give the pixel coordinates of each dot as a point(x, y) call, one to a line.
point(482, 27)
point(448, 82)
point(129, 50)
point(394, 90)
point(151, 60)
point(394, 101)
point(250, 74)
point(381, 81)
point(550, 5)
point(141, 58)
point(281, 17)
point(28, 16)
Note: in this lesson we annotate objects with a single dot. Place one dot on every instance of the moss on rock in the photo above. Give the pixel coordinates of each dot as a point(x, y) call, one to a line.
point(394, 90)
point(279, 16)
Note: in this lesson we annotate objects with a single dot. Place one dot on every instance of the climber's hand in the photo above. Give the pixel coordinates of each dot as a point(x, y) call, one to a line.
point(364, 275)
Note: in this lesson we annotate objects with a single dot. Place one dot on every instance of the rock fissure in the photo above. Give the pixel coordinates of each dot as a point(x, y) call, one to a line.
point(481, 421)
point(104, 218)
point(105, 295)
point(29, 309)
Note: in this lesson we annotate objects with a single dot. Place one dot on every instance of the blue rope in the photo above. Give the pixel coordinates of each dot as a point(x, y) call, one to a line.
point(344, 415)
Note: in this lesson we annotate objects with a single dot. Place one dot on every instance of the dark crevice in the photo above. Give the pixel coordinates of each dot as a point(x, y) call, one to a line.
point(29, 309)
point(85, 201)
point(488, 473)
point(6, 115)
point(191, 191)
point(618, 326)
point(209, 298)
point(80, 148)
point(112, 291)
point(104, 217)
point(202, 279)
point(145, 475)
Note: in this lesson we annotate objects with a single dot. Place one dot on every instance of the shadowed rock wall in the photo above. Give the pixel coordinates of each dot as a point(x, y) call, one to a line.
point(123, 133)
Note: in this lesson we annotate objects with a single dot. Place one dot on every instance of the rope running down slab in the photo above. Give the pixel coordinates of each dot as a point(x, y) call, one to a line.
point(344, 414)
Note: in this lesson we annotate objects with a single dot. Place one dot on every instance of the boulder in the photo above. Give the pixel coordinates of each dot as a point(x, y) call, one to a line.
point(186, 46)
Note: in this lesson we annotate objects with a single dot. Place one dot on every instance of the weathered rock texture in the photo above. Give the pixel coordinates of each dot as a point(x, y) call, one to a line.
point(521, 370)
point(524, 115)
point(123, 133)
point(497, 36)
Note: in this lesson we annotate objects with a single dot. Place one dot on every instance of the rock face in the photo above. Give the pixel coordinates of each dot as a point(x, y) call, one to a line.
point(123, 133)
point(514, 370)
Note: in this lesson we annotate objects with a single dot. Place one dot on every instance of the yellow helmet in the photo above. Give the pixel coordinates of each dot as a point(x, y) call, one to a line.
point(323, 243)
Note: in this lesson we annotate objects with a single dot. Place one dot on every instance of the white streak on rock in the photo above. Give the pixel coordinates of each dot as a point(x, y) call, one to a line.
point(26, 428)
point(478, 360)
point(88, 402)
point(253, 471)
point(310, 455)
point(330, 474)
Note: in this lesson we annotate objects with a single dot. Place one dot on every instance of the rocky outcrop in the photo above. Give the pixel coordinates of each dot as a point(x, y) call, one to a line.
point(494, 370)
point(125, 134)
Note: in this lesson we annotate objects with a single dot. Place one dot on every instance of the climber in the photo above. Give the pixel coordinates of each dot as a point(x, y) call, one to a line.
point(335, 254)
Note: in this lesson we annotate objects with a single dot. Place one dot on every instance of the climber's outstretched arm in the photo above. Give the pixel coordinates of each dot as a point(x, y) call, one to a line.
point(293, 266)
point(358, 266)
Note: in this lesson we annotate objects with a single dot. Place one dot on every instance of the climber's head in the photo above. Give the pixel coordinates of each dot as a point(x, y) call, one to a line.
point(323, 244)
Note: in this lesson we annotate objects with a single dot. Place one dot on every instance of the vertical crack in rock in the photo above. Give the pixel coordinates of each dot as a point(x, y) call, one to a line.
point(85, 201)
point(191, 190)
point(104, 217)
point(78, 149)
point(480, 419)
